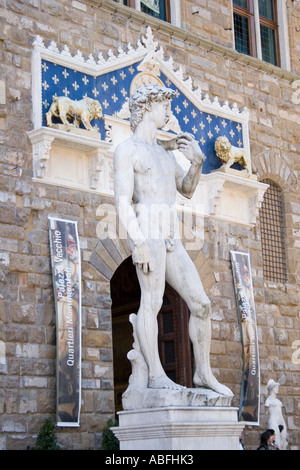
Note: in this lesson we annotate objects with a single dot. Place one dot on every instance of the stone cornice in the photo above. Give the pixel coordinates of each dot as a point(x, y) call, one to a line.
point(186, 36)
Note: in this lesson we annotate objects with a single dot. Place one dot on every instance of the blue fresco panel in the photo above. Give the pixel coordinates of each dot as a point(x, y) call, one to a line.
point(112, 88)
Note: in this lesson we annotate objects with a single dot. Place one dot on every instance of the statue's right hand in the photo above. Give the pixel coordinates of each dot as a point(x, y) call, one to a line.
point(141, 257)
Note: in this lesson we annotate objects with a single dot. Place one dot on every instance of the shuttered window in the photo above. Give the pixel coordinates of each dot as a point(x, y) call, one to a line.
point(272, 222)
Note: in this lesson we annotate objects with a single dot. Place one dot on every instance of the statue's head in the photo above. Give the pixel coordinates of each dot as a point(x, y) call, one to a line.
point(142, 99)
point(272, 384)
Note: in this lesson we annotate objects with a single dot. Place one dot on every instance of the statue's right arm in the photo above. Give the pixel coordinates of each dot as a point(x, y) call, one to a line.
point(124, 185)
point(124, 188)
point(123, 176)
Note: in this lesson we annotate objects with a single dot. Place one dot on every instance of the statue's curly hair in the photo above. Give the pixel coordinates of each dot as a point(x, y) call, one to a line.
point(142, 99)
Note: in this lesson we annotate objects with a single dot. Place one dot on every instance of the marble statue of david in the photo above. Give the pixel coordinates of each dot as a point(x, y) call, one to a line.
point(147, 177)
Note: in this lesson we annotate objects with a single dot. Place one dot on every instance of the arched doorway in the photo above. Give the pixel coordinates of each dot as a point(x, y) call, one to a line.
point(174, 343)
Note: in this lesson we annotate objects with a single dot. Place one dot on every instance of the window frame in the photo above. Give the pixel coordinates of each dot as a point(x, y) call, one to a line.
point(273, 25)
point(255, 22)
point(249, 14)
point(136, 4)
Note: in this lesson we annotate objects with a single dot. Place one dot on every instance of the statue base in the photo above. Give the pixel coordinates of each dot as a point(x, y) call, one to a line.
point(188, 419)
point(77, 130)
point(179, 428)
point(240, 173)
point(134, 398)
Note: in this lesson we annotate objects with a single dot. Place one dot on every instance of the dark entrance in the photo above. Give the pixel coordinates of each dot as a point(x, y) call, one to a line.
point(174, 343)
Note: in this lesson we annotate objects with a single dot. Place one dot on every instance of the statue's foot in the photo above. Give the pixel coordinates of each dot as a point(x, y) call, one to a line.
point(164, 382)
point(212, 383)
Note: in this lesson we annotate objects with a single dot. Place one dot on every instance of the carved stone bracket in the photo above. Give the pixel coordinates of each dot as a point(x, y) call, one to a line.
point(215, 194)
point(96, 165)
point(91, 151)
point(41, 146)
point(228, 195)
point(232, 197)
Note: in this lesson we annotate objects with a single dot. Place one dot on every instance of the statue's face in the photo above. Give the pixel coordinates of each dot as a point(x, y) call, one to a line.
point(161, 112)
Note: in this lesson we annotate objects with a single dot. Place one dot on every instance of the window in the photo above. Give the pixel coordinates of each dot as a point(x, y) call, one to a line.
point(157, 8)
point(256, 29)
point(272, 234)
point(243, 17)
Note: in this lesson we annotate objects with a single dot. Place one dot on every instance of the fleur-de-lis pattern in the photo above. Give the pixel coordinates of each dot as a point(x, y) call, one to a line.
point(113, 88)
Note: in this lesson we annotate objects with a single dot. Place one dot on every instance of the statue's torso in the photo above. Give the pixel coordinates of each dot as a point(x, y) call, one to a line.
point(154, 193)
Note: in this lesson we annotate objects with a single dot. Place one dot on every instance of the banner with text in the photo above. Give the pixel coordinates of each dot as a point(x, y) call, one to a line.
point(66, 273)
point(250, 388)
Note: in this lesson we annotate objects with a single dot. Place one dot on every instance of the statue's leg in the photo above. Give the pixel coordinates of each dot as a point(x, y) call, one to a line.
point(182, 275)
point(152, 286)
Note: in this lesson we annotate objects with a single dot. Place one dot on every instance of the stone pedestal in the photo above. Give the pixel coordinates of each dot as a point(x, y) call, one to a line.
point(197, 420)
point(176, 428)
point(239, 173)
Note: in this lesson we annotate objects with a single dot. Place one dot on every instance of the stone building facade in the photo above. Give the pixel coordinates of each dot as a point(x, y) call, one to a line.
point(200, 40)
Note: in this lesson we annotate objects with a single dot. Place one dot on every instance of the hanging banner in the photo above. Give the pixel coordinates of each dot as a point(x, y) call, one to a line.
point(250, 388)
point(66, 273)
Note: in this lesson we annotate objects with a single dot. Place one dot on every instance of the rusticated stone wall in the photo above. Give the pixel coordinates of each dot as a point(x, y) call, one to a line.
point(27, 317)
